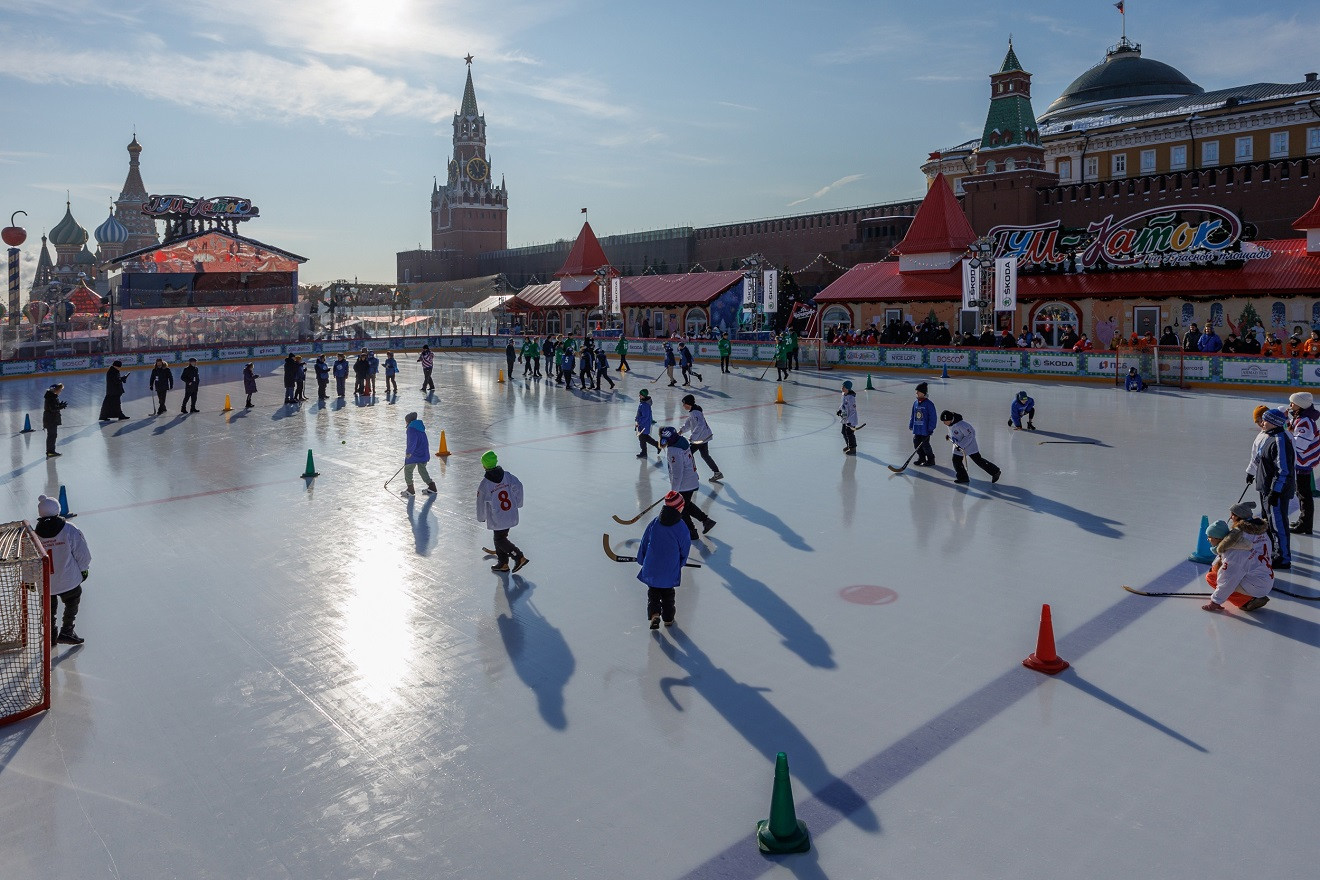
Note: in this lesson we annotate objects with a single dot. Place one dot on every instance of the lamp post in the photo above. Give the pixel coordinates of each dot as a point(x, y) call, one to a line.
point(752, 278)
point(602, 278)
point(982, 262)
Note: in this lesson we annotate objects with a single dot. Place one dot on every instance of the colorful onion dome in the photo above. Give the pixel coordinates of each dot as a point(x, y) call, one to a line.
point(67, 233)
point(111, 231)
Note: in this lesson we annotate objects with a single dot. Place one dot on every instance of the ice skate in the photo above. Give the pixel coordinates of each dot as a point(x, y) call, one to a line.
point(655, 621)
point(432, 488)
point(717, 476)
point(68, 637)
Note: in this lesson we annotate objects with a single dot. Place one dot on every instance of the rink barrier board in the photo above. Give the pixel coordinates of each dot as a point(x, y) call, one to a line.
point(1212, 371)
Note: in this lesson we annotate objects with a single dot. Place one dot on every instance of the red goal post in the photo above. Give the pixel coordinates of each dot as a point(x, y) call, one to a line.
point(1161, 365)
point(25, 625)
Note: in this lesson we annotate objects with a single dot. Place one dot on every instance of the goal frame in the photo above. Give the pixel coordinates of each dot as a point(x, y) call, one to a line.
point(22, 548)
point(1160, 365)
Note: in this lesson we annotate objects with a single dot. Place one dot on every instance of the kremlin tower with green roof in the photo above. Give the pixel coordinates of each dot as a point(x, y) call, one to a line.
point(1011, 140)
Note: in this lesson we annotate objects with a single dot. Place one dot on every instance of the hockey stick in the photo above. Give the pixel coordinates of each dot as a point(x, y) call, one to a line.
point(609, 551)
point(628, 522)
point(1244, 493)
point(391, 479)
point(1296, 595)
point(899, 470)
point(763, 372)
point(1144, 593)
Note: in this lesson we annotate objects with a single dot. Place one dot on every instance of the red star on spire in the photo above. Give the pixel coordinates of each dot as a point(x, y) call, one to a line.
point(468, 59)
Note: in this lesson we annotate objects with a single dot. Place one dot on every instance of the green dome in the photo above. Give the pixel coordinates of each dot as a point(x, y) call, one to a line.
point(67, 233)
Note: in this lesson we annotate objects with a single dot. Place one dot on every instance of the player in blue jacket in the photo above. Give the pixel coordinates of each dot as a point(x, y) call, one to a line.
point(566, 366)
point(643, 422)
point(341, 373)
point(391, 370)
point(1134, 381)
point(1023, 405)
point(922, 425)
point(670, 363)
point(603, 368)
point(416, 455)
point(662, 553)
point(586, 368)
point(685, 364)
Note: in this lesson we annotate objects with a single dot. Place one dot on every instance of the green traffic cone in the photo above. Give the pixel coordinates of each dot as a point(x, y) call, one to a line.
point(311, 468)
point(782, 833)
point(869, 386)
point(1203, 554)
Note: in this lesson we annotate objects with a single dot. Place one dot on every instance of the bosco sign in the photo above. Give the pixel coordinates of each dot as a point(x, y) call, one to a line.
point(962, 359)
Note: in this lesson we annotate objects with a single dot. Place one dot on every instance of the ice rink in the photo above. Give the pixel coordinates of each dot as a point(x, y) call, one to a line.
point(317, 679)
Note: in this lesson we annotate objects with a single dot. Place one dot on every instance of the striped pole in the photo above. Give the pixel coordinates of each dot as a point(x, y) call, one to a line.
point(13, 286)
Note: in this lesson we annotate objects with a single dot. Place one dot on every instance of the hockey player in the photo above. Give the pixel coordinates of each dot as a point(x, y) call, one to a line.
point(699, 433)
point(341, 373)
point(322, 377)
point(70, 560)
point(922, 425)
point(566, 364)
point(1134, 382)
point(683, 478)
point(726, 348)
point(417, 452)
point(603, 368)
point(587, 368)
point(1276, 481)
point(391, 371)
point(499, 496)
point(1302, 416)
point(51, 416)
point(192, 380)
point(963, 437)
point(685, 364)
point(621, 349)
point(781, 359)
point(661, 555)
point(643, 423)
point(1023, 405)
point(1241, 573)
point(670, 362)
point(373, 368)
point(848, 412)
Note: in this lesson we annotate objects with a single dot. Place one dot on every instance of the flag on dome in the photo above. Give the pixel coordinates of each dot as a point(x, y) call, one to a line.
point(1119, 7)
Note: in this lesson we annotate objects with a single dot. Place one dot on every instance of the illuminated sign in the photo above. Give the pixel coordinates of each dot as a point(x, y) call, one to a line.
point(1183, 236)
point(215, 208)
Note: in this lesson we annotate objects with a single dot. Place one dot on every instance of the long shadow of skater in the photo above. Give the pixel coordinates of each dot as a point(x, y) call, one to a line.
point(69, 438)
point(1060, 437)
point(800, 636)
point(764, 727)
point(130, 428)
point(284, 410)
point(740, 506)
point(170, 424)
point(421, 524)
point(539, 652)
point(1298, 629)
point(1096, 525)
point(1071, 677)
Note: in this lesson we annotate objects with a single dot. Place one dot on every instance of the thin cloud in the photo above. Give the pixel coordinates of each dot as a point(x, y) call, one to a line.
point(737, 106)
point(842, 181)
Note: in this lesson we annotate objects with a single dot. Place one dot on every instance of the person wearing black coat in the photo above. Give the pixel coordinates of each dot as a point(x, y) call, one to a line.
point(360, 370)
point(50, 417)
point(162, 380)
point(249, 384)
point(112, 407)
point(290, 378)
point(192, 380)
point(322, 377)
point(299, 378)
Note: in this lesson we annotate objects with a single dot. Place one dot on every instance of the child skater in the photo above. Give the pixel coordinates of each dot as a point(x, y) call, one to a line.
point(499, 496)
point(963, 437)
point(1134, 382)
point(643, 423)
point(1241, 572)
point(699, 433)
point(848, 412)
point(683, 478)
point(1023, 405)
point(70, 560)
point(663, 551)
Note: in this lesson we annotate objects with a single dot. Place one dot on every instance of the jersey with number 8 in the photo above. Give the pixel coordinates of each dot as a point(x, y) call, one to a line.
point(498, 503)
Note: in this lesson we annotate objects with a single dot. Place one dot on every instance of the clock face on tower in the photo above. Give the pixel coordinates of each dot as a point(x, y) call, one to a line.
point(477, 169)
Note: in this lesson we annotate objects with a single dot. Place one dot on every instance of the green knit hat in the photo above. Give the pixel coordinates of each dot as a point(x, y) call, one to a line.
point(489, 459)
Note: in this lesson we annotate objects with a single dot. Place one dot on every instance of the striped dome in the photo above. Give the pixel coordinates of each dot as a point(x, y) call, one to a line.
point(111, 231)
point(67, 233)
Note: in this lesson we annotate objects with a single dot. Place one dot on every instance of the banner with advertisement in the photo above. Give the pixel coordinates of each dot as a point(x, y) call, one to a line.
point(19, 368)
point(264, 351)
point(616, 296)
point(1110, 363)
point(201, 354)
point(749, 294)
point(1053, 362)
point(903, 357)
point(971, 285)
point(770, 285)
point(861, 355)
point(1262, 372)
point(939, 357)
point(334, 346)
point(742, 351)
point(1193, 367)
point(707, 350)
point(305, 348)
point(75, 363)
point(1005, 361)
point(234, 353)
point(170, 357)
point(1310, 371)
point(1006, 284)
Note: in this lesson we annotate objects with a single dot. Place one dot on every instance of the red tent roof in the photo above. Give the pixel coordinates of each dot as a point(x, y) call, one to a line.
point(586, 256)
point(940, 224)
point(1289, 272)
point(1311, 219)
point(696, 288)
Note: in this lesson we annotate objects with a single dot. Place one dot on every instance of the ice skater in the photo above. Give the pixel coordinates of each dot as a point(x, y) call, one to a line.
point(360, 368)
point(669, 363)
point(621, 349)
point(249, 383)
point(113, 405)
point(499, 496)
point(1302, 416)
point(1023, 405)
point(699, 434)
point(586, 368)
point(922, 425)
point(417, 452)
point(340, 371)
point(1134, 382)
point(322, 377)
point(162, 380)
point(70, 561)
point(373, 368)
point(603, 368)
point(848, 412)
point(643, 422)
point(685, 363)
point(192, 380)
point(510, 357)
point(963, 437)
point(290, 378)
point(1276, 481)
point(781, 359)
point(391, 374)
point(51, 419)
point(427, 360)
point(661, 555)
point(726, 349)
point(299, 379)
point(683, 478)
point(1240, 573)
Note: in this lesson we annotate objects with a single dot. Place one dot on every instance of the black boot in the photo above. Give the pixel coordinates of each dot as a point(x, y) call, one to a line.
point(68, 636)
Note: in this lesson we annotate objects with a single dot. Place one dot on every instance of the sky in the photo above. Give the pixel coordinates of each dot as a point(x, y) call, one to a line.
point(334, 116)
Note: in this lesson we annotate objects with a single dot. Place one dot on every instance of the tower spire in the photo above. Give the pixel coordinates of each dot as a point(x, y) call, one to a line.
point(469, 94)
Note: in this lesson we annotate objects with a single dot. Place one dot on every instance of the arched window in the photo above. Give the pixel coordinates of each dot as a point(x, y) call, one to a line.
point(1051, 319)
point(836, 316)
point(1216, 314)
point(552, 322)
point(694, 323)
point(1278, 315)
point(990, 167)
point(1315, 315)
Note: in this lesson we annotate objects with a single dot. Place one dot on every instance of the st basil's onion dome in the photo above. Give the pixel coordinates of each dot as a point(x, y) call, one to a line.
point(111, 231)
point(67, 233)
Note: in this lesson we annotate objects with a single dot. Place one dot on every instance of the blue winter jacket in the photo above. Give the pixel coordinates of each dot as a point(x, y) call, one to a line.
point(391, 366)
point(644, 419)
point(419, 450)
point(664, 549)
point(1134, 382)
point(341, 369)
point(585, 360)
point(322, 371)
point(1209, 342)
point(923, 418)
point(685, 356)
point(1020, 407)
point(669, 357)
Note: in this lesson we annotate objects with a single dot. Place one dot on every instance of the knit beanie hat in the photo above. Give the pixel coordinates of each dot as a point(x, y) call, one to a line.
point(674, 500)
point(1301, 399)
point(1276, 417)
point(1243, 509)
point(47, 506)
point(847, 385)
point(645, 395)
point(1218, 529)
point(409, 418)
point(489, 459)
point(1258, 412)
point(921, 387)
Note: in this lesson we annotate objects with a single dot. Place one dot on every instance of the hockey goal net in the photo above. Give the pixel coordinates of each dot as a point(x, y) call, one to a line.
point(1161, 365)
point(24, 623)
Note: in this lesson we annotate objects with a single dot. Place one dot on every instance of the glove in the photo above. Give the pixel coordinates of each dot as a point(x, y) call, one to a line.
point(84, 574)
point(1272, 499)
point(1010, 423)
point(1251, 478)
point(838, 412)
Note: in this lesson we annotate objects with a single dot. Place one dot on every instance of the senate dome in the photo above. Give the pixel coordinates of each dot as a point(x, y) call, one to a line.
point(1123, 79)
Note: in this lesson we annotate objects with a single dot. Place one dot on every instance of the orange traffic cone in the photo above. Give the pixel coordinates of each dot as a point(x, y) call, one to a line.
point(500, 380)
point(227, 406)
point(1045, 660)
point(444, 447)
point(779, 395)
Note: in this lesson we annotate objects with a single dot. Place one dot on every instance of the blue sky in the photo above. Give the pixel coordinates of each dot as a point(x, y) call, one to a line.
point(334, 116)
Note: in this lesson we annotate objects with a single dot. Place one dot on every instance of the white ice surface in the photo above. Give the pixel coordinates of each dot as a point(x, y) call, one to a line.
point(316, 679)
